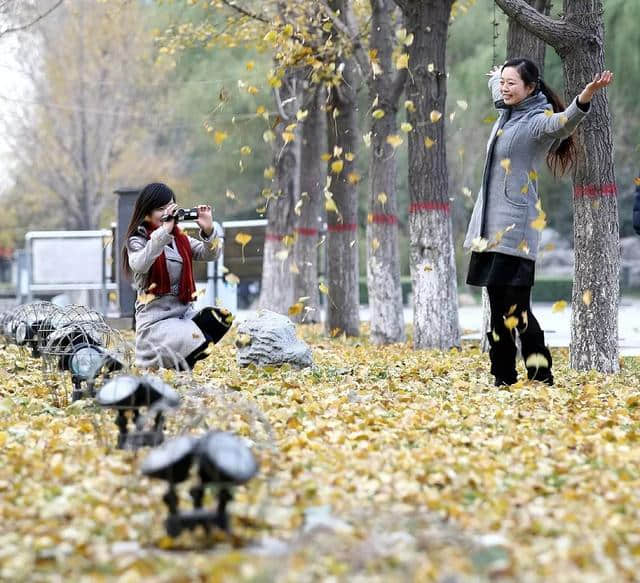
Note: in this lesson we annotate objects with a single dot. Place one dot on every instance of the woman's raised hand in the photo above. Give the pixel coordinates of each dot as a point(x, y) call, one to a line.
point(600, 80)
point(205, 219)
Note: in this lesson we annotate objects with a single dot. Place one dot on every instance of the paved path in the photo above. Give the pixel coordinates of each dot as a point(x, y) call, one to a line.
point(556, 326)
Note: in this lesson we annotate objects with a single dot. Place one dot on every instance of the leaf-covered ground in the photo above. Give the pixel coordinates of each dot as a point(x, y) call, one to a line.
point(379, 464)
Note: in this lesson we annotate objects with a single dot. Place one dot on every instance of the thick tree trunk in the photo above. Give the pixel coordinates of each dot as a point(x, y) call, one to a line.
point(432, 261)
point(520, 43)
point(276, 292)
point(343, 313)
point(312, 181)
point(383, 263)
point(579, 40)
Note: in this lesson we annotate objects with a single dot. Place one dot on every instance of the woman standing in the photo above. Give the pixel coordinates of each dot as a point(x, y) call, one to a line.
point(533, 125)
point(169, 331)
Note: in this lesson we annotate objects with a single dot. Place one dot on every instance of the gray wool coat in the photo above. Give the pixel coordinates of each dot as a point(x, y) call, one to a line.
point(509, 192)
point(165, 331)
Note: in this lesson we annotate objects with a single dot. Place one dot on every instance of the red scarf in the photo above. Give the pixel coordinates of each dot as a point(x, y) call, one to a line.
point(159, 274)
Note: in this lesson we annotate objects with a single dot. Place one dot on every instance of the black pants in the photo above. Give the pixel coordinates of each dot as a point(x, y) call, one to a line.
point(213, 330)
point(511, 311)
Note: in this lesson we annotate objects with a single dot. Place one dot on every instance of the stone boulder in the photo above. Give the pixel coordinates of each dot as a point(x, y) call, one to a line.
point(270, 339)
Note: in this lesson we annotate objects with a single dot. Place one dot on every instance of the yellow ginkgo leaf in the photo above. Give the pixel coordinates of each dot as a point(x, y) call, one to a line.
point(330, 205)
point(323, 288)
point(402, 62)
point(353, 178)
point(382, 198)
point(337, 166)
point(524, 246)
point(587, 297)
point(495, 336)
point(479, 244)
point(220, 136)
point(302, 114)
point(242, 340)
point(375, 244)
point(536, 360)
point(296, 309)
point(512, 309)
point(245, 150)
point(511, 322)
point(435, 116)
point(288, 137)
point(325, 157)
point(378, 113)
point(462, 104)
point(466, 191)
point(636, 181)
point(406, 127)
point(242, 239)
point(146, 298)
point(540, 222)
point(533, 175)
point(506, 164)
point(198, 293)
point(524, 189)
point(269, 172)
point(350, 156)
point(366, 138)
point(409, 105)
point(559, 306)
point(429, 143)
point(548, 112)
point(431, 68)
point(232, 278)
point(268, 136)
point(394, 140)
point(249, 65)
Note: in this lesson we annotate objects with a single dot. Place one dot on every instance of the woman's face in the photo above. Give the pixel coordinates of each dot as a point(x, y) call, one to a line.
point(512, 86)
point(154, 218)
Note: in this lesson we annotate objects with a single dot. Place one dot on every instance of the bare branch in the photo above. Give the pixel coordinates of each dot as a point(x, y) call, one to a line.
point(34, 21)
point(246, 12)
point(553, 32)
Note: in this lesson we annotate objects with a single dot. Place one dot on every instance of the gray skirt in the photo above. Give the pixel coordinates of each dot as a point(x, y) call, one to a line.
point(166, 333)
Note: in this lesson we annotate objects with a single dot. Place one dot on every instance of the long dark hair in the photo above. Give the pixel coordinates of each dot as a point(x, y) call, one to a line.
point(563, 157)
point(151, 197)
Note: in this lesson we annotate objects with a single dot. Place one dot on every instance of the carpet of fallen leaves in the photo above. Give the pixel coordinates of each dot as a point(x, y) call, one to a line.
point(377, 464)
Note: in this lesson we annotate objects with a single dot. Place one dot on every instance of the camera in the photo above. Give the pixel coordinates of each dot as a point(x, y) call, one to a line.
point(182, 215)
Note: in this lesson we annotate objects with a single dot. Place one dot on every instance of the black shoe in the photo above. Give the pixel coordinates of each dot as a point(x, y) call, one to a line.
point(502, 353)
point(537, 357)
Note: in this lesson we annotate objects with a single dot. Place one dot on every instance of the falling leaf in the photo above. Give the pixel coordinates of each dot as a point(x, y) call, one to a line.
point(269, 172)
point(375, 244)
point(243, 239)
point(232, 278)
point(198, 293)
point(466, 191)
point(288, 137)
point(462, 104)
point(427, 268)
point(146, 298)
point(353, 178)
point(533, 175)
point(512, 309)
point(558, 306)
point(249, 65)
point(540, 222)
point(323, 288)
point(378, 113)
point(435, 116)
point(330, 205)
point(479, 244)
point(366, 138)
point(402, 62)
point(536, 360)
point(548, 112)
point(220, 136)
point(350, 156)
point(302, 114)
point(268, 136)
point(337, 166)
point(382, 198)
point(429, 143)
point(394, 140)
point(406, 127)
point(296, 309)
point(506, 164)
point(282, 255)
point(242, 340)
point(524, 246)
point(245, 150)
point(409, 105)
point(431, 68)
point(511, 322)
point(587, 297)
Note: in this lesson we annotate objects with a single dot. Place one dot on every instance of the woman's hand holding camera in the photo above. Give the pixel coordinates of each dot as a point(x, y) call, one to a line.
point(168, 219)
point(205, 219)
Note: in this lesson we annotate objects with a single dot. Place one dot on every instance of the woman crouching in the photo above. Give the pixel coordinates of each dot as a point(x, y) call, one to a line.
point(170, 333)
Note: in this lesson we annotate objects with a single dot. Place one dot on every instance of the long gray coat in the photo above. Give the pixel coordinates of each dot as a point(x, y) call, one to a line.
point(165, 332)
point(509, 192)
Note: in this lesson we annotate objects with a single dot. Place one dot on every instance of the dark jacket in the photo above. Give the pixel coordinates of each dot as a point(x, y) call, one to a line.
point(636, 210)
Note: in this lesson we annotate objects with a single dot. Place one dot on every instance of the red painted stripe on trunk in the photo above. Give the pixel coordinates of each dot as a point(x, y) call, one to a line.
point(273, 237)
point(342, 228)
point(306, 231)
point(595, 190)
point(429, 206)
point(382, 219)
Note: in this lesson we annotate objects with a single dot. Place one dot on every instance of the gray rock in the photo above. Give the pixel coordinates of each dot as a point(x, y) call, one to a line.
point(270, 339)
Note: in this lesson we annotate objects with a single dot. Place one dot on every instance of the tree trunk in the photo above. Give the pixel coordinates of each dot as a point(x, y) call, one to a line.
point(276, 292)
point(343, 314)
point(383, 263)
point(312, 181)
point(579, 40)
point(520, 43)
point(432, 261)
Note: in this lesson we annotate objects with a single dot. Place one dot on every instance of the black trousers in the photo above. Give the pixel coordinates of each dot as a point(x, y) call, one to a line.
point(511, 311)
point(213, 330)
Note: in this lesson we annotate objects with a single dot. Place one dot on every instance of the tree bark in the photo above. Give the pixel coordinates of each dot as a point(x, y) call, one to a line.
point(579, 40)
point(383, 263)
point(432, 261)
point(312, 181)
point(276, 291)
point(343, 314)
